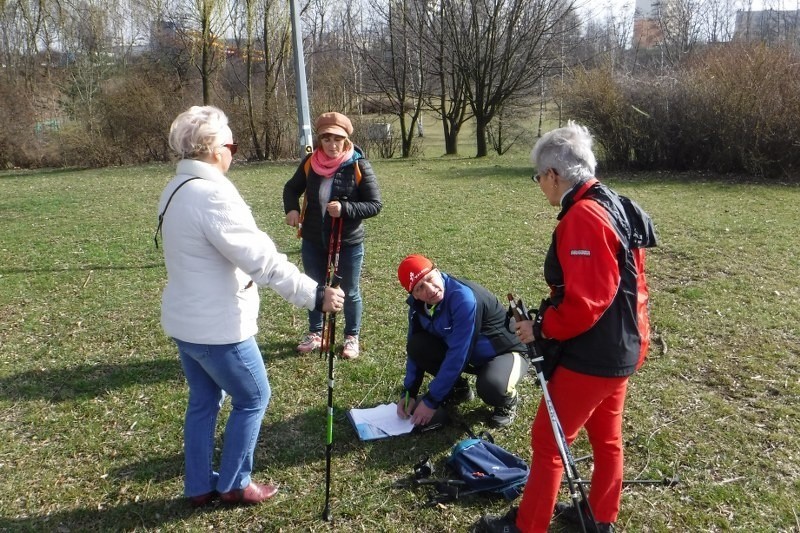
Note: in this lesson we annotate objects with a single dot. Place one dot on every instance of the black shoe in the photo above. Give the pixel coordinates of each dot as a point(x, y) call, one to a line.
point(503, 415)
point(568, 512)
point(498, 524)
point(460, 393)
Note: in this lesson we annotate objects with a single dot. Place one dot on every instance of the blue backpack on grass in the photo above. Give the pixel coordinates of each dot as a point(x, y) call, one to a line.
point(487, 468)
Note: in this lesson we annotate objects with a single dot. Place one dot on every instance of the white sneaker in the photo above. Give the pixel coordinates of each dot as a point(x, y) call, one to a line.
point(312, 341)
point(350, 350)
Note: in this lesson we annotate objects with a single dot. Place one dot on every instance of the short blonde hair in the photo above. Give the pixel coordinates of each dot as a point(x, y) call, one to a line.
point(197, 131)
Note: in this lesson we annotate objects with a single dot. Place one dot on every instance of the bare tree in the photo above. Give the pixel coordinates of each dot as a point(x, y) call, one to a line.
point(500, 46)
point(255, 51)
point(393, 57)
point(607, 37)
point(23, 29)
point(198, 28)
point(275, 41)
point(448, 94)
point(681, 23)
point(721, 15)
point(86, 40)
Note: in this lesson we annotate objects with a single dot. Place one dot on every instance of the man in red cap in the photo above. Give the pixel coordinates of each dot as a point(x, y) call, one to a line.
point(456, 327)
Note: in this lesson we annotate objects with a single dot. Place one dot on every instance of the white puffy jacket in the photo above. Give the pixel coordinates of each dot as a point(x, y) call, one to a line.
point(212, 250)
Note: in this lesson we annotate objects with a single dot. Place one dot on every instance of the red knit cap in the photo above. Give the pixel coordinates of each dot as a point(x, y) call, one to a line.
point(412, 269)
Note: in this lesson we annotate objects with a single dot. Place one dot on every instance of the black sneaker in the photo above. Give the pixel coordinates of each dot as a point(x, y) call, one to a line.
point(503, 415)
point(460, 393)
point(498, 524)
point(568, 512)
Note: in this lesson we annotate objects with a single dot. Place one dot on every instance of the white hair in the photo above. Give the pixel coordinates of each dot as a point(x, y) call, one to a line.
point(198, 131)
point(566, 150)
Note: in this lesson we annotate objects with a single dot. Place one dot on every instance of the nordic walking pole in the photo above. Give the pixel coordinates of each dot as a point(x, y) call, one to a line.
point(577, 491)
point(665, 482)
point(328, 339)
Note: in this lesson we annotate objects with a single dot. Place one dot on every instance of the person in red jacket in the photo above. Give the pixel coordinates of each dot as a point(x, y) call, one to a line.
point(597, 317)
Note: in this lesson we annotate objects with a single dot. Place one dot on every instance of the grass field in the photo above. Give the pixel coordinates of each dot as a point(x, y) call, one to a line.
point(92, 396)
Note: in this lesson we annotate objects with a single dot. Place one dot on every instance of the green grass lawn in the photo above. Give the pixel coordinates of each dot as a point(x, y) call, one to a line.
point(92, 396)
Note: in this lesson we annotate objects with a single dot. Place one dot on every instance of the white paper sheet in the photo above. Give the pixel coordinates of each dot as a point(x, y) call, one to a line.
point(379, 422)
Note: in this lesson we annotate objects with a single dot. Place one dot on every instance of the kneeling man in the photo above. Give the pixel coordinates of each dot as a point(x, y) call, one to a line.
point(456, 327)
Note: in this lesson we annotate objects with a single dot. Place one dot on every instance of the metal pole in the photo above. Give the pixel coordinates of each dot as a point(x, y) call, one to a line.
point(305, 139)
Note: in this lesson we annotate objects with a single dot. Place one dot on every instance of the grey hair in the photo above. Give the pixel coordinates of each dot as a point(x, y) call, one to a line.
point(568, 151)
point(197, 131)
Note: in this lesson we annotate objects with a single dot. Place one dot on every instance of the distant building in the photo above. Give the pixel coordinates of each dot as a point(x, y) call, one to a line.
point(646, 33)
point(769, 26)
point(646, 27)
point(652, 18)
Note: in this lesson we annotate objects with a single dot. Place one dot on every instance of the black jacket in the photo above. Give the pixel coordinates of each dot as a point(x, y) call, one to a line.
point(600, 316)
point(358, 201)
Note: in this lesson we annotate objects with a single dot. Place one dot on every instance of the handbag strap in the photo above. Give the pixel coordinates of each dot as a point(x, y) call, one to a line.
point(161, 215)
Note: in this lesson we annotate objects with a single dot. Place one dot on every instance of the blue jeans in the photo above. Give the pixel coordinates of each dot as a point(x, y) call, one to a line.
point(315, 261)
point(212, 371)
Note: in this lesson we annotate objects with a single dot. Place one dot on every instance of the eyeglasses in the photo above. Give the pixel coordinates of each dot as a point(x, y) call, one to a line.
point(233, 147)
point(537, 177)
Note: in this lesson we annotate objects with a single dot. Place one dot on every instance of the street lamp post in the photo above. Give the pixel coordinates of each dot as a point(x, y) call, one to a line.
point(305, 139)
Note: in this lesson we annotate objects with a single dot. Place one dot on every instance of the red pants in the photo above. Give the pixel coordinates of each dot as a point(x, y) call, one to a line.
point(580, 400)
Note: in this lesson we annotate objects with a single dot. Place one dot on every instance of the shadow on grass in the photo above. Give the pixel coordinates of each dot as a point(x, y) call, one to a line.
point(277, 350)
point(155, 469)
point(83, 268)
point(280, 447)
point(302, 438)
point(128, 516)
point(86, 381)
point(39, 172)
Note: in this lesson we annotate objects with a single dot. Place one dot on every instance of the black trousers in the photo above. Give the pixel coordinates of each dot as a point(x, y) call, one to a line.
point(496, 379)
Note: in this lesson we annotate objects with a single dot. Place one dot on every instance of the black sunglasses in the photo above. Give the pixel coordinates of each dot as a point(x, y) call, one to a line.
point(233, 147)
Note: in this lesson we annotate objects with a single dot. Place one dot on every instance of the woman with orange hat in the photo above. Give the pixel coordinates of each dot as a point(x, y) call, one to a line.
point(456, 327)
point(338, 183)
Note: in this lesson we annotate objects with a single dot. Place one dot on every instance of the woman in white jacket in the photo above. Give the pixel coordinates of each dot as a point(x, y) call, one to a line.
point(216, 257)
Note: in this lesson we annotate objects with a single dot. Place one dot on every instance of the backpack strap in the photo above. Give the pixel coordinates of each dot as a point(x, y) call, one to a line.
point(161, 215)
point(483, 435)
point(306, 169)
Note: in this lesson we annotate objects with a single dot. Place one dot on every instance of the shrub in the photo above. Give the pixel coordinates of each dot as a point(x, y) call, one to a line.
point(734, 108)
point(597, 99)
point(137, 113)
point(753, 94)
point(27, 136)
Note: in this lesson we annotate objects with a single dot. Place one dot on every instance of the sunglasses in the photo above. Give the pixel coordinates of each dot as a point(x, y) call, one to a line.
point(233, 147)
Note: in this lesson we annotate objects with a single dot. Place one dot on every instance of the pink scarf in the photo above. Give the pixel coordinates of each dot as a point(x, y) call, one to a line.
point(326, 166)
